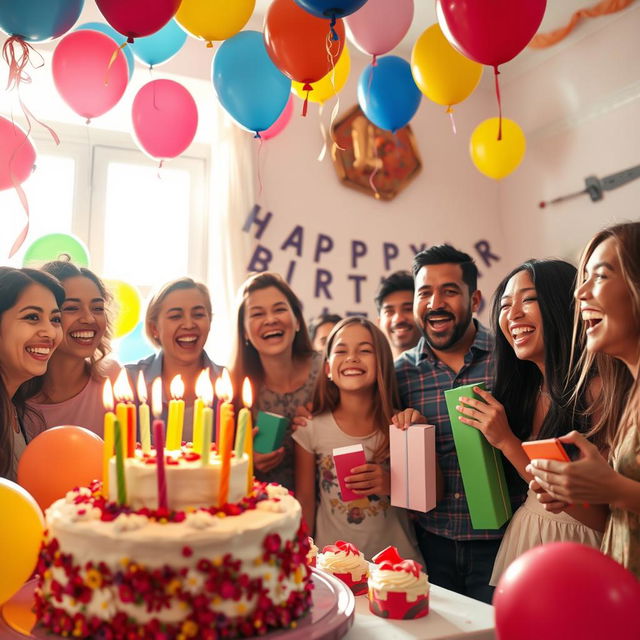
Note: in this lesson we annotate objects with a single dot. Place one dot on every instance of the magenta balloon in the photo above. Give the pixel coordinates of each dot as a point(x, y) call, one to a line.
point(17, 155)
point(165, 118)
point(281, 123)
point(490, 32)
point(81, 67)
point(138, 18)
point(566, 590)
point(379, 25)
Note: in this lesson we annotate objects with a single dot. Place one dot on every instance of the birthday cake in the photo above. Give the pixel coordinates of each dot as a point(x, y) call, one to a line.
point(182, 568)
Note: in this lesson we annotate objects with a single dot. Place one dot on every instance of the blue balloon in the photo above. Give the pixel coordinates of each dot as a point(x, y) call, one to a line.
point(161, 45)
point(133, 347)
point(250, 87)
point(38, 20)
point(117, 37)
point(388, 94)
point(331, 8)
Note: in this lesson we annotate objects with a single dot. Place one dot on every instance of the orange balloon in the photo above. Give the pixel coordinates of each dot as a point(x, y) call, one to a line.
point(57, 461)
point(300, 44)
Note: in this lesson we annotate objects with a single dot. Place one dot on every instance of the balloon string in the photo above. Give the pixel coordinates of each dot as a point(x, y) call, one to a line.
point(160, 166)
point(114, 55)
point(259, 161)
point(334, 115)
point(332, 27)
point(323, 132)
point(496, 73)
point(307, 87)
point(452, 119)
point(22, 196)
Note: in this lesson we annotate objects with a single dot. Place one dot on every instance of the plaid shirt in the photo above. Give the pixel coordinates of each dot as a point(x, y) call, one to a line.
point(422, 380)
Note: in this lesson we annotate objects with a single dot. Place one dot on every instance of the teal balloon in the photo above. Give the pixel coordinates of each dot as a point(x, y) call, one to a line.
point(252, 90)
point(38, 20)
point(118, 38)
point(134, 346)
point(55, 246)
point(161, 45)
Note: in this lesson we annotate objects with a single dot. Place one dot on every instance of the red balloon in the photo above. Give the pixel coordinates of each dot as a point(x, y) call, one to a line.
point(81, 67)
point(17, 155)
point(491, 32)
point(566, 590)
point(138, 18)
point(300, 44)
point(165, 118)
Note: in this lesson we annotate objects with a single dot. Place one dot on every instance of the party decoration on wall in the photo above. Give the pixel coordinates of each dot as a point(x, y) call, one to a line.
point(59, 459)
point(331, 8)
point(165, 119)
point(387, 93)
point(281, 123)
point(138, 18)
point(490, 32)
point(299, 45)
point(250, 87)
point(442, 73)
point(38, 20)
point(212, 20)
point(161, 45)
point(127, 303)
point(21, 532)
point(497, 158)
point(56, 246)
point(362, 150)
point(134, 346)
point(379, 25)
point(118, 38)
point(84, 76)
point(329, 85)
point(575, 578)
point(596, 187)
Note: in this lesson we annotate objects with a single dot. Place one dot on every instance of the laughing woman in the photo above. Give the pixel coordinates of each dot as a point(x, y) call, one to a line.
point(29, 333)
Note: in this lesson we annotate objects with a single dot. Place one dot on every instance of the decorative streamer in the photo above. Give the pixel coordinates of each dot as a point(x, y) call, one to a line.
point(452, 119)
point(496, 73)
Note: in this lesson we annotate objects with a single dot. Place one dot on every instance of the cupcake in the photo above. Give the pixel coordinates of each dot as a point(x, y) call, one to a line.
point(345, 562)
point(313, 552)
point(399, 590)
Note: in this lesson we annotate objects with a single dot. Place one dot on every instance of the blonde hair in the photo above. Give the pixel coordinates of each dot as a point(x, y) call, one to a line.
point(385, 394)
point(153, 309)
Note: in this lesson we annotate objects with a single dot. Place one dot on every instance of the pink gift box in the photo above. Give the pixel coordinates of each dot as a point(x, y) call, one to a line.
point(413, 467)
point(345, 459)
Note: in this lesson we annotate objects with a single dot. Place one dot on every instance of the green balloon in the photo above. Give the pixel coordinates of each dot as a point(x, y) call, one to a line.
point(56, 246)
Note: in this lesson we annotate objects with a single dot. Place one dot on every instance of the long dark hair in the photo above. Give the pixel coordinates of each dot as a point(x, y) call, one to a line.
point(518, 383)
point(12, 283)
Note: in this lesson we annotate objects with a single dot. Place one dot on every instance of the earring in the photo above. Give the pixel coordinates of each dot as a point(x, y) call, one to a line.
point(246, 342)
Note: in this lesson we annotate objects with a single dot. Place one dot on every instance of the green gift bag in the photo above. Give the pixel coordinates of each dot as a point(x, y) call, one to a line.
point(481, 467)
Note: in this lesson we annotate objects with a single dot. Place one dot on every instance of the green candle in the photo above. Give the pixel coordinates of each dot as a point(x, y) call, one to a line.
point(122, 487)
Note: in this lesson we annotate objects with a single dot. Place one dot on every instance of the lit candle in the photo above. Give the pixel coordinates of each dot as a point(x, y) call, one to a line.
point(143, 415)
point(176, 414)
point(226, 439)
point(122, 487)
point(158, 441)
point(108, 435)
point(244, 418)
point(125, 413)
point(217, 406)
point(198, 408)
point(207, 422)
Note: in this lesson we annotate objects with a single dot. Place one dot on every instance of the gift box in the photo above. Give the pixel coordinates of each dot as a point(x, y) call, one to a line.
point(345, 459)
point(271, 430)
point(481, 467)
point(413, 467)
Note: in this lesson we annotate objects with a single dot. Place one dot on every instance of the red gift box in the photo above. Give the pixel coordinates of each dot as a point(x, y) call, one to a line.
point(345, 459)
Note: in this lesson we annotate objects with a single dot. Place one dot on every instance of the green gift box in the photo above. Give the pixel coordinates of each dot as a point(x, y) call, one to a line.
point(480, 465)
point(271, 430)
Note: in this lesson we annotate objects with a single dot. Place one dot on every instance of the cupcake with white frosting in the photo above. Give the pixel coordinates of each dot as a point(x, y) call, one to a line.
point(344, 561)
point(313, 553)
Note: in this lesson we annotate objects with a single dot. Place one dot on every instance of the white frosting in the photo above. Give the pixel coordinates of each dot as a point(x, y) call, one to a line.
point(189, 484)
point(341, 562)
point(382, 581)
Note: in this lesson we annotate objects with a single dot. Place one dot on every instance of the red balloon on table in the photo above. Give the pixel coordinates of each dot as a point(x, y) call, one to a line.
point(138, 18)
point(566, 590)
point(17, 155)
point(58, 460)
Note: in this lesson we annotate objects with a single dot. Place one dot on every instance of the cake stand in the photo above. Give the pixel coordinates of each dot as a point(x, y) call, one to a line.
point(330, 618)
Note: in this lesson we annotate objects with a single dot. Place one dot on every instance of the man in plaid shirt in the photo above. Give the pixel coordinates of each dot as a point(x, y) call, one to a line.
point(454, 350)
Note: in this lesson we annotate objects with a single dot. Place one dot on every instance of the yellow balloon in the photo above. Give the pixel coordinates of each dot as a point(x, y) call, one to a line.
point(21, 531)
point(443, 74)
point(214, 19)
point(497, 158)
point(127, 307)
point(327, 86)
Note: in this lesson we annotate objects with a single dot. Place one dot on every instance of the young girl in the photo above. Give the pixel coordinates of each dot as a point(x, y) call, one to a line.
point(71, 389)
point(354, 403)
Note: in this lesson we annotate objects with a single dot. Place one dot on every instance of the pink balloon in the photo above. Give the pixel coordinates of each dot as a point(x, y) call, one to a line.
point(566, 590)
point(379, 25)
point(490, 32)
point(165, 118)
point(17, 155)
point(138, 18)
point(281, 123)
point(81, 67)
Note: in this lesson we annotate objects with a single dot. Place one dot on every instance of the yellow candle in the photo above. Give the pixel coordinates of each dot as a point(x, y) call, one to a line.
point(108, 435)
point(248, 449)
point(244, 418)
point(125, 413)
point(207, 429)
point(198, 408)
point(144, 415)
point(226, 440)
point(176, 415)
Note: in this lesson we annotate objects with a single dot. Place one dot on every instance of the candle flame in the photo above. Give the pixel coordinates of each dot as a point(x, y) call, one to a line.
point(201, 383)
point(142, 388)
point(247, 393)
point(156, 397)
point(226, 387)
point(219, 386)
point(122, 389)
point(206, 390)
point(176, 388)
point(107, 395)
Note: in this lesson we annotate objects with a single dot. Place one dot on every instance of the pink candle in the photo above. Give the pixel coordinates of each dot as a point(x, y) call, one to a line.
point(158, 440)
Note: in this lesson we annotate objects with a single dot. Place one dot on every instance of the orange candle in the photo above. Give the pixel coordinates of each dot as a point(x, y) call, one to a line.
point(108, 435)
point(226, 439)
